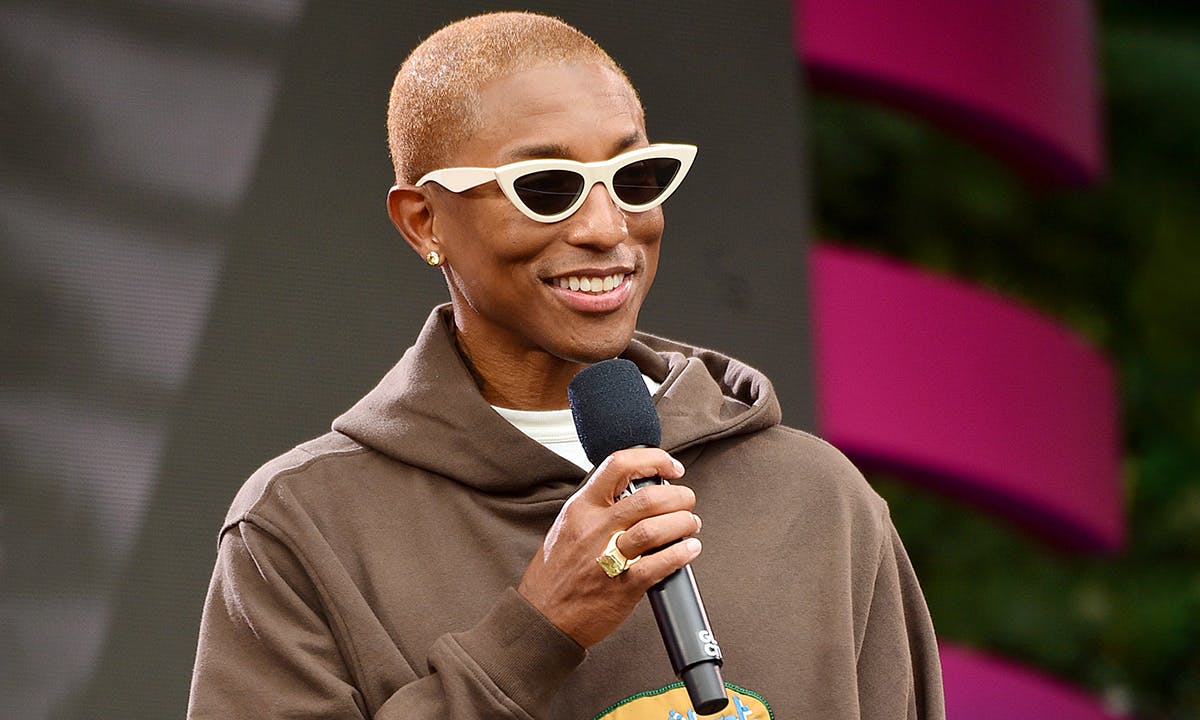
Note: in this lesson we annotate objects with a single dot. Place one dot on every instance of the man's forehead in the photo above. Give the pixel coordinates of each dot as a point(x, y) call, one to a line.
point(550, 111)
point(580, 112)
point(544, 89)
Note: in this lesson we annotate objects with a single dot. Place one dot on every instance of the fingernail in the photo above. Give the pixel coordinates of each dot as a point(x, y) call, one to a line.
point(699, 522)
point(678, 466)
point(692, 545)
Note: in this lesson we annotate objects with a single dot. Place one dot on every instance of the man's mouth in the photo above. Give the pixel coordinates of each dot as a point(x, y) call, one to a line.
point(595, 285)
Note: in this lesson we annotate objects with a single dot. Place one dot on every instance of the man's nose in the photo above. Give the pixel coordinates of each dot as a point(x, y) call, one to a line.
point(598, 221)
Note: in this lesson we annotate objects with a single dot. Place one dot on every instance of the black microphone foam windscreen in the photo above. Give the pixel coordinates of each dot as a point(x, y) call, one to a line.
point(612, 409)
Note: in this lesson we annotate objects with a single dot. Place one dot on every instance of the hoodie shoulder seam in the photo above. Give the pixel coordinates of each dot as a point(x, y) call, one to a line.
point(261, 484)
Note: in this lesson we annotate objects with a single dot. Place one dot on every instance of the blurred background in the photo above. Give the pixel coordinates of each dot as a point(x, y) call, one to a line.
point(198, 273)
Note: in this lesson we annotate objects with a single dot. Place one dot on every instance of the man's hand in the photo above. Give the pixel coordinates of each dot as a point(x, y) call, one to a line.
point(564, 581)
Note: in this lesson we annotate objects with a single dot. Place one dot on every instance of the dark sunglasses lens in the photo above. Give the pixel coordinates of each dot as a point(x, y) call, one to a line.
point(549, 192)
point(643, 181)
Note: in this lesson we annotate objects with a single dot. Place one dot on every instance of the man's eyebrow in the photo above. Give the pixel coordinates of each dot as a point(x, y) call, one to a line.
point(531, 152)
point(628, 141)
point(553, 150)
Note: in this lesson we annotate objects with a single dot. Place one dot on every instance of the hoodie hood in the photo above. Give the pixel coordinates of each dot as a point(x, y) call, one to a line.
point(427, 411)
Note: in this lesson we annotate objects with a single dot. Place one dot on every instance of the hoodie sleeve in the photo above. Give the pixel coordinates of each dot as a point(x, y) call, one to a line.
point(268, 649)
point(899, 672)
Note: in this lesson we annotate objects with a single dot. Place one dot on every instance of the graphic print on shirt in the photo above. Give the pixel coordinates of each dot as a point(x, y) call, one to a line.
point(672, 703)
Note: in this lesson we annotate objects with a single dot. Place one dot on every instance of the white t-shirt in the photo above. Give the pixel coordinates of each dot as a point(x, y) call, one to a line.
point(555, 429)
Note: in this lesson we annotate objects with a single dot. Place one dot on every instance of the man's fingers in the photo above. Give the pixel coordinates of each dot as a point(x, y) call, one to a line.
point(651, 501)
point(614, 474)
point(652, 533)
point(654, 567)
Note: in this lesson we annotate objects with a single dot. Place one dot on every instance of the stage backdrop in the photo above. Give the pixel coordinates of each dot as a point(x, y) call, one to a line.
point(198, 273)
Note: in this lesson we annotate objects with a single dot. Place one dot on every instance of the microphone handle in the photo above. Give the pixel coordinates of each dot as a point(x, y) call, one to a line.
point(693, 650)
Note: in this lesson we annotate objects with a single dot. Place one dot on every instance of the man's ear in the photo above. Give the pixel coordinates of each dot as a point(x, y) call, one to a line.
point(409, 209)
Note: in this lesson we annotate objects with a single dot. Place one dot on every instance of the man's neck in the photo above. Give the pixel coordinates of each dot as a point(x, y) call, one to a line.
point(534, 380)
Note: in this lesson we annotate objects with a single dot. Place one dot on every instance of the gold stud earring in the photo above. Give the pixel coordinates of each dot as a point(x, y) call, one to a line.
point(433, 258)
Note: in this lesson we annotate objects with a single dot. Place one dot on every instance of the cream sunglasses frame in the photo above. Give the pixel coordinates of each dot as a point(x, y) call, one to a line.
point(459, 179)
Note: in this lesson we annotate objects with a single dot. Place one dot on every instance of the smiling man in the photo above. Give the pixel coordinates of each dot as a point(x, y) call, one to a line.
point(525, 334)
point(436, 554)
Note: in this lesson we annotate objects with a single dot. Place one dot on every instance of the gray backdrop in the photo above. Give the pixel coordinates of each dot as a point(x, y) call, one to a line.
point(198, 272)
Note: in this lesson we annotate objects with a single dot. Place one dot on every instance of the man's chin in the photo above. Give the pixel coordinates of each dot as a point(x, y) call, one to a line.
point(597, 350)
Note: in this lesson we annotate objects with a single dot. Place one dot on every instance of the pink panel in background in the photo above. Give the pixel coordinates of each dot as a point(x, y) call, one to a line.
point(958, 388)
point(1019, 76)
point(981, 687)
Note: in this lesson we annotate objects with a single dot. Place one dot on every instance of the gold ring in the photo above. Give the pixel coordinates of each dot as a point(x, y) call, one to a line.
point(613, 561)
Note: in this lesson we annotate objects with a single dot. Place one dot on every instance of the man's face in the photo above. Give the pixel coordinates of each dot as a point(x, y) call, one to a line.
point(504, 269)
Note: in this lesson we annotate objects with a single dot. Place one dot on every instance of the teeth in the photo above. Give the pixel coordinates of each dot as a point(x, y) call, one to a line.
point(593, 285)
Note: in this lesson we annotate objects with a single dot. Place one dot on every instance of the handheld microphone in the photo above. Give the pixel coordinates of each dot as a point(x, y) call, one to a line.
point(613, 411)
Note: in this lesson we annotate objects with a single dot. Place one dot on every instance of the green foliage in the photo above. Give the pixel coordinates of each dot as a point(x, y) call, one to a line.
point(1120, 263)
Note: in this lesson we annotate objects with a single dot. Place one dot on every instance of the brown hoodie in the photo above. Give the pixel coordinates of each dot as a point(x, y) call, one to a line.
point(370, 572)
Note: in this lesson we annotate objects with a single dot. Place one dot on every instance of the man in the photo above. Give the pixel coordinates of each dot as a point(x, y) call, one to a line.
point(436, 555)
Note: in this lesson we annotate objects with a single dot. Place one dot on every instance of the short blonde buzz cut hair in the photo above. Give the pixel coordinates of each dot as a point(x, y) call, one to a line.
point(432, 108)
